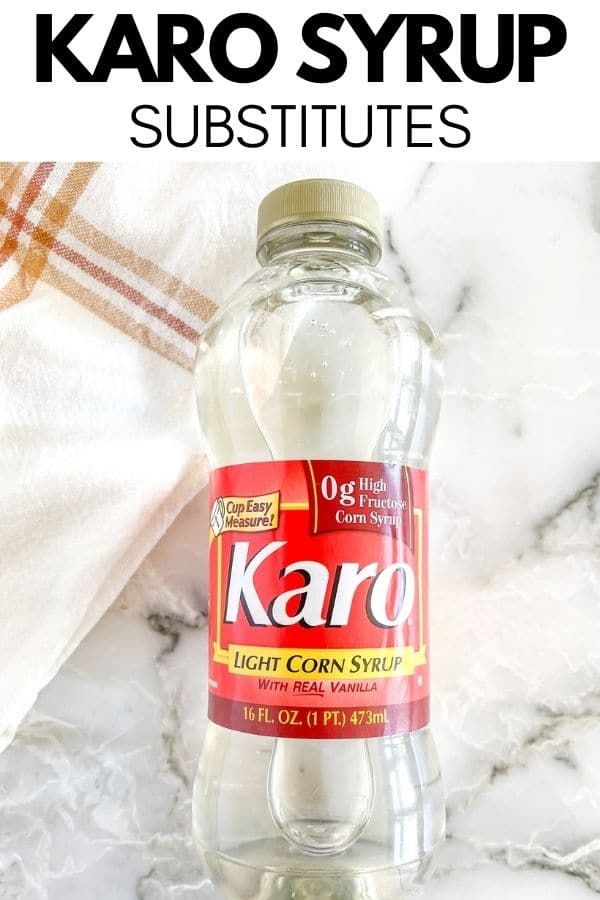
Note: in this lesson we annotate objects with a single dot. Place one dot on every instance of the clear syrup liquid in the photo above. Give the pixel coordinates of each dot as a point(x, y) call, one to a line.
point(317, 358)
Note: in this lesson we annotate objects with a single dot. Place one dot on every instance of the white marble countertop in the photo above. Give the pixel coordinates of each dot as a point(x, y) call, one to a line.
point(95, 789)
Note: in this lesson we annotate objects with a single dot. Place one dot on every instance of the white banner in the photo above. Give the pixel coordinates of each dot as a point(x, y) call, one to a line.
point(187, 81)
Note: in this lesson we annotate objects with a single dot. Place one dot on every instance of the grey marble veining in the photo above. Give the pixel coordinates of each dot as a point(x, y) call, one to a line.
point(95, 789)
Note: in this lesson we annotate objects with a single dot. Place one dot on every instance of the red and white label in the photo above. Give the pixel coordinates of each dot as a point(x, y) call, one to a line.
point(318, 599)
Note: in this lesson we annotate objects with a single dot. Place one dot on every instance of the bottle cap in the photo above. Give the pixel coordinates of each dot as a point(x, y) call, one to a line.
point(319, 200)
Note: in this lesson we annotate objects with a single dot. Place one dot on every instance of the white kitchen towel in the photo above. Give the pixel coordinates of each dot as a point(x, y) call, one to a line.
point(105, 275)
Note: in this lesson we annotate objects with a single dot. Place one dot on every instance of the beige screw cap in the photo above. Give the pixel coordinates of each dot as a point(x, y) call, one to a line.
point(319, 200)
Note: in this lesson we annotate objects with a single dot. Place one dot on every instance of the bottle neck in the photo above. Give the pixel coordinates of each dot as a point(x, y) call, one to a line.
point(323, 238)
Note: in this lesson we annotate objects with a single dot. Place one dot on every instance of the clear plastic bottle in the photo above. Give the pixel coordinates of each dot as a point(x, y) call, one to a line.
point(318, 356)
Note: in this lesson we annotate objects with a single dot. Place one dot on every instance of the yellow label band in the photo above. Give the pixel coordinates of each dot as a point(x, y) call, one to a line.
point(311, 664)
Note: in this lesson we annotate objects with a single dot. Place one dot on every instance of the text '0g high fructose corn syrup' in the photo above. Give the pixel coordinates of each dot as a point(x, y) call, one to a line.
point(318, 388)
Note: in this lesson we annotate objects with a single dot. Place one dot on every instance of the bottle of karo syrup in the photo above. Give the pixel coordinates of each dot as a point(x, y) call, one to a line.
point(319, 388)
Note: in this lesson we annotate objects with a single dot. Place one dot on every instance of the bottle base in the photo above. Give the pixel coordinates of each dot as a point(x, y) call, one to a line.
point(296, 876)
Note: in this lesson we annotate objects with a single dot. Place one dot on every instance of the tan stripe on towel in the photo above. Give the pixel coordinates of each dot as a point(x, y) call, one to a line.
point(28, 197)
point(14, 181)
point(153, 274)
point(107, 279)
point(54, 216)
point(6, 171)
point(103, 308)
point(195, 301)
